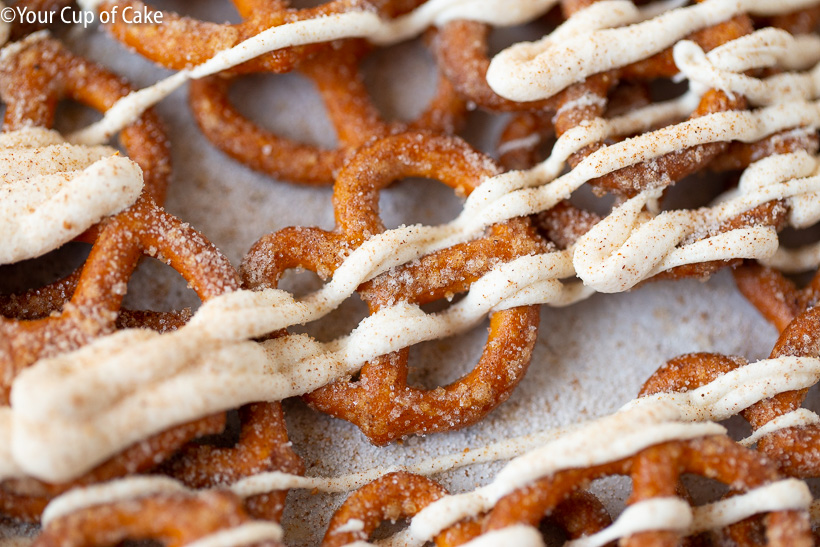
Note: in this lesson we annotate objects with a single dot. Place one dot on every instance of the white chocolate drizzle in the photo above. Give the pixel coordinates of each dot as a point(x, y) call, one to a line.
point(536, 70)
point(51, 192)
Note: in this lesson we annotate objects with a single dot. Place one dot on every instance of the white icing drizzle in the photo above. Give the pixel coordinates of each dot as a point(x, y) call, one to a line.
point(568, 55)
point(353, 525)
point(783, 495)
point(136, 487)
point(249, 533)
point(109, 492)
point(50, 191)
point(536, 70)
point(518, 535)
point(671, 514)
point(722, 68)
point(604, 440)
point(802, 417)
point(795, 260)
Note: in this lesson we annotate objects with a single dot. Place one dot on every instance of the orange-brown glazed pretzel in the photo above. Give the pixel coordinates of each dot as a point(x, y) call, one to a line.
point(393, 496)
point(262, 446)
point(356, 120)
point(655, 472)
point(173, 520)
point(179, 42)
point(45, 70)
point(85, 305)
point(461, 50)
point(793, 449)
point(379, 401)
point(580, 514)
point(587, 100)
point(774, 295)
point(25, 499)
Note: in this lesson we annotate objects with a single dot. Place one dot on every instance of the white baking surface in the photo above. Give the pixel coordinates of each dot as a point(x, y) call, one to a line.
point(589, 360)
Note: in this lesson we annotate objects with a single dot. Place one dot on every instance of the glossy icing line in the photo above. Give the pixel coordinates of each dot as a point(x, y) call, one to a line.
point(536, 70)
point(51, 192)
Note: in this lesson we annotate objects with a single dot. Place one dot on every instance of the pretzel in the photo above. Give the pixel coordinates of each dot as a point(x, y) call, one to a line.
point(461, 49)
point(25, 499)
point(86, 303)
point(379, 402)
point(774, 295)
point(356, 120)
point(180, 42)
point(51, 73)
point(791, 448)
point(580, 514)
point(655, 472)
point(402, 495)
point(172, 519)
point(392, 496)
point(262, 446)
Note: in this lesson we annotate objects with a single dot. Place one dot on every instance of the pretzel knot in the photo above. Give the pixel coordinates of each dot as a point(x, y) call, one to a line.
point(392, 496)
point(179, 42)
point(580, 514)
point(41, 67)
point(356, 120)
point(379, 401)
point(171, 518)
point(791, 447)
point(655, 472)
point(402, 495)
point(262, 446)
point(84, 306)
point(589, 100)
point(774, 295)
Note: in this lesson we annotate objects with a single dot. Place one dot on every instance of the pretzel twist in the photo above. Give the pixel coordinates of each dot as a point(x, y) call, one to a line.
point(355, 118)
point(379, 402)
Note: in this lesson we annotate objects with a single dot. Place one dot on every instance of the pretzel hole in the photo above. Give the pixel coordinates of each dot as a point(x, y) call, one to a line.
point(158, 287)
point(389, 528)
point(696, 190)
point(418, 201)
point(216, 12)
point(72, 115)
point(613, 492)
point(664, 89)
point(586, 199)
point(503, 37)
point(395, 95)
point(40, 271)
point(737, 428)
point(279, 103)
point(812, 401)
point(793, 238)
point(552, 534)
point(340, 322)
point(303, 4)
point(702, 489)
point(441, 362)
point(229, 437)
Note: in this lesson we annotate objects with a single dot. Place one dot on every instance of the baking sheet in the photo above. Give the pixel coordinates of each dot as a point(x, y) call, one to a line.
point(589, 360)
